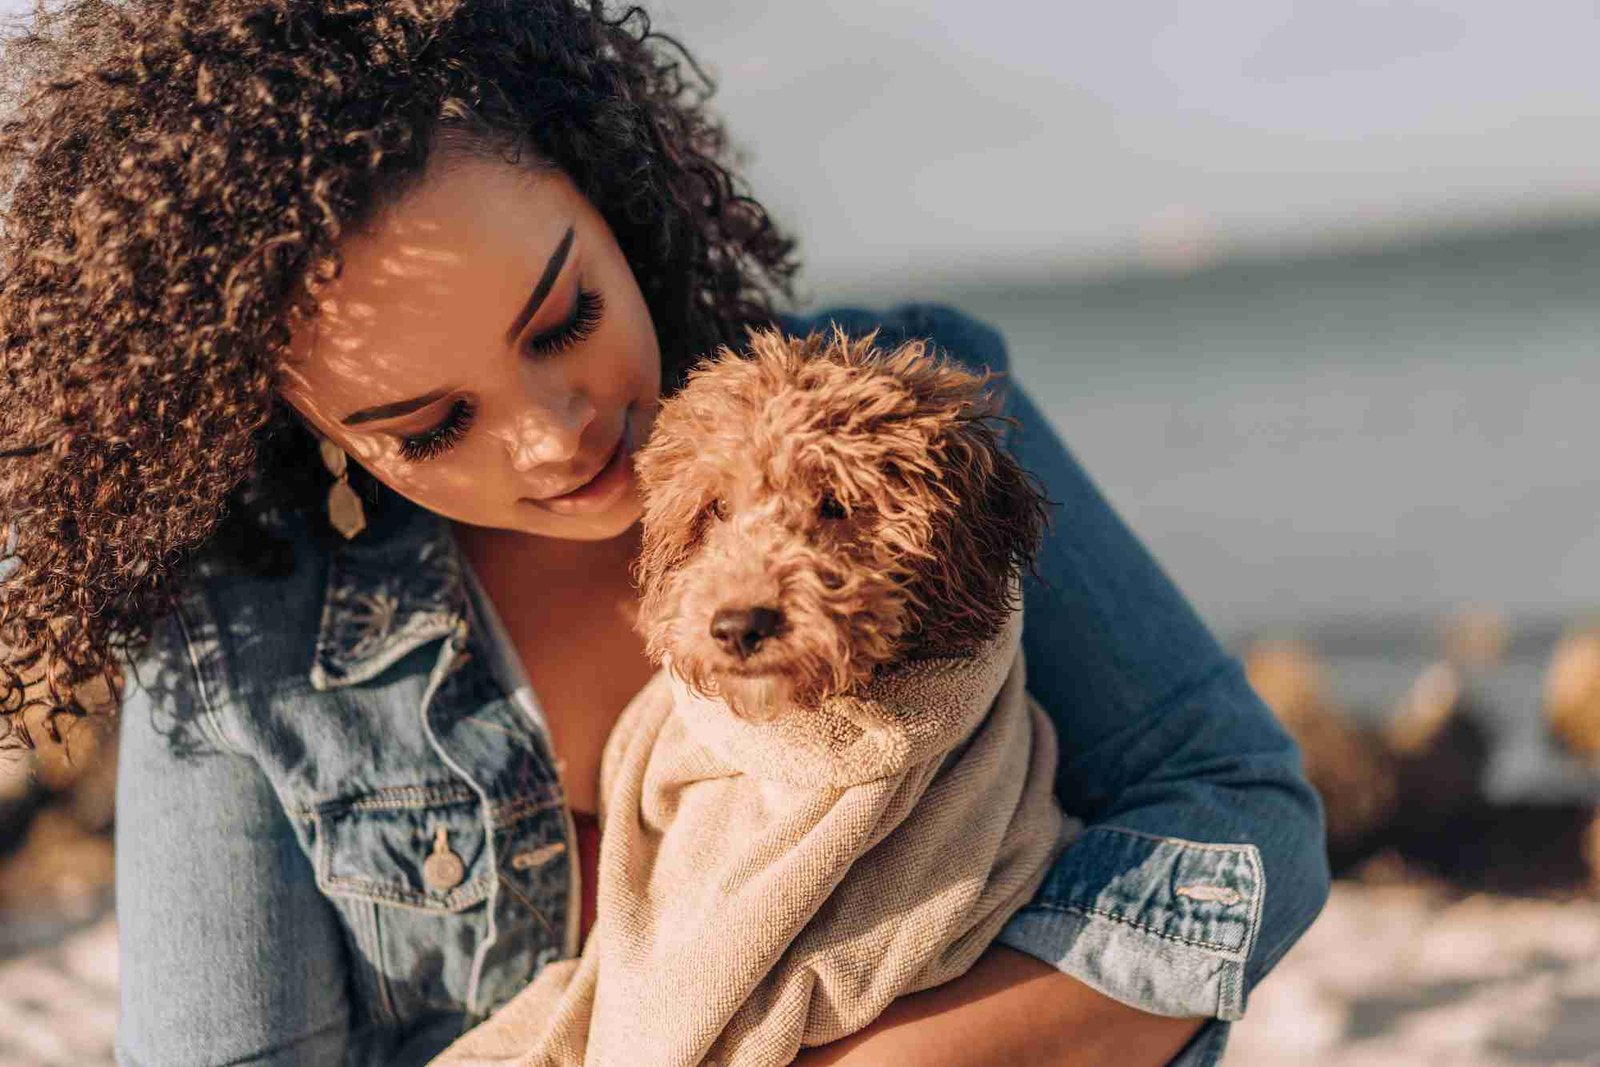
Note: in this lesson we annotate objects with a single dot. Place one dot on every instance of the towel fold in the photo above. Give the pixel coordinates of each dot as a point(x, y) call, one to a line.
point(766, 886)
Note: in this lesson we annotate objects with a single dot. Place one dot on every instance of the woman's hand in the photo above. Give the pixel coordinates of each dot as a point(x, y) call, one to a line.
point(1009, 1008)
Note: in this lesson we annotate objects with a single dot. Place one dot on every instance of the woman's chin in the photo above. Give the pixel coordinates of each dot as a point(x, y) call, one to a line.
point(599, 526)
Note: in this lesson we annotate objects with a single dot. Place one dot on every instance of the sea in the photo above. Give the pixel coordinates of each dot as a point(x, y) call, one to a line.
point(1350, 448)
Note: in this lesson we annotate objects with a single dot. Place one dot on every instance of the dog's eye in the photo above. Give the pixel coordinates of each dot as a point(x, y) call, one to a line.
point(718, 508)
point(830, 507)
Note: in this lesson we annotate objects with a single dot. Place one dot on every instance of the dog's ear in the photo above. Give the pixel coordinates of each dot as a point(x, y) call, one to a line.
point(989, 529)
point(672, 519)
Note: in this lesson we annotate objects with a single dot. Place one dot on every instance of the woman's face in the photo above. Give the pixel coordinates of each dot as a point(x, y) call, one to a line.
point(485, 351)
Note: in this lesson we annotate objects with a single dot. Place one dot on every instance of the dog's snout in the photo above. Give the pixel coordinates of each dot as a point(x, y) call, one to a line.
point(741, 630)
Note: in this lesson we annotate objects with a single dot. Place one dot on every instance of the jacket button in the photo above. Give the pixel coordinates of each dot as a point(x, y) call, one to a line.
point(443, 869)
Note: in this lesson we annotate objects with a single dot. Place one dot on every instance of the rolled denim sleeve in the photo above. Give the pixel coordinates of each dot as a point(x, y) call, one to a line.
point(1202, 857)
point(229, 955)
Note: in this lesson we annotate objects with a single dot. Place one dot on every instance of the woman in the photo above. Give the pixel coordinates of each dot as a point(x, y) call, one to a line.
point(470, 246)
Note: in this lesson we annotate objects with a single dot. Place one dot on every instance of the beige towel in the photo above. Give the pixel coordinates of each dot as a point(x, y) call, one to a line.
point(768, 886)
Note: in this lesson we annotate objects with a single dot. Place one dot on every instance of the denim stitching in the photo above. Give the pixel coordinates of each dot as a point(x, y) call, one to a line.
point(386, 1007)
point(1249, 854)
point(1091, 910)
point(459, 899)
point(213, 723)
point(365, 628)
point(1210, 846)
point(491, 933)
point(357, 887)
point(391, 798)
point(506, 812)
point(1253, 931)
point(527, 902)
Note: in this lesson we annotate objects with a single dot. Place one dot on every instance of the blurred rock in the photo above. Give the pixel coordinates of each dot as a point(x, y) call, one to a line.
point(1572, 693)
point(61, 874)
point(82, 769)
point(1404, 801)
point(1521, 849)
point(1346, 761)
point(1474, 636)
point(19, 796)
point(1442, 750)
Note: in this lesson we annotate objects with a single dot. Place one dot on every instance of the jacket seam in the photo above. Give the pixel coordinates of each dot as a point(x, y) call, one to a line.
point(472, 893)
point(215, 726)
point(423, 798)
point(1188, 843)
point(380, 972)
point(355, 886)
point(1258, 906)
point(1091, 911)
point(391, 798)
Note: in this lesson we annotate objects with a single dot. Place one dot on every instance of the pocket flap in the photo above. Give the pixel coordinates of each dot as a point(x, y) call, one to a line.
point(377, 845)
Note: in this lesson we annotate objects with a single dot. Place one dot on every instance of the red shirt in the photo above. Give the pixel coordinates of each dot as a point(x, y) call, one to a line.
point(588, 832)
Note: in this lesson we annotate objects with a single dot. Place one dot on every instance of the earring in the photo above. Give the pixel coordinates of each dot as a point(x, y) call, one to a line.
point(344, 506)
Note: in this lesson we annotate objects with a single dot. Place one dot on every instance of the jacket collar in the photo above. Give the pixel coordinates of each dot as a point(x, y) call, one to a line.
point(396, 586)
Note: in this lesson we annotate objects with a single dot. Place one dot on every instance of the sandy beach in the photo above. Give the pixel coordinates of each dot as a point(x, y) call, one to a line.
point(1410, 976)
point(1388, 976)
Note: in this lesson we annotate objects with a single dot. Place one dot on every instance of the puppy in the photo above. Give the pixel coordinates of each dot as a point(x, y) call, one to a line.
point(836, 790)
point(817, 509)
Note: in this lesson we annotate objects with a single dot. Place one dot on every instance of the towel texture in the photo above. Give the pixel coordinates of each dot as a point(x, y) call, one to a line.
point(766, 886)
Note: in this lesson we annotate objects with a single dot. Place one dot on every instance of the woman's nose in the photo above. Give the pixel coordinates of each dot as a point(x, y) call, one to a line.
point(549, 430)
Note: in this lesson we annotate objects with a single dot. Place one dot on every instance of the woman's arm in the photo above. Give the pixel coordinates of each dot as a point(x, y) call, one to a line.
point(1009, 1008)
point(1202, 860)
point(229, 955)
point(1204, 856)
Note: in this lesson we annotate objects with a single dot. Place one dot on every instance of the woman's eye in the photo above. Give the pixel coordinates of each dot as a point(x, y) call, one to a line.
point(585, 317)
point(830, 508)
point(418, 447)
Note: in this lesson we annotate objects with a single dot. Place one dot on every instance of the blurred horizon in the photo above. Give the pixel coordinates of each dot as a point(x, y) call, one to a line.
point(1015, 143)
point(1324, 441)
point(1010, 141)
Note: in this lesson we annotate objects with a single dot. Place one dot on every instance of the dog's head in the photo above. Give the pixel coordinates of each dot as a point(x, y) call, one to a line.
point(816, 508)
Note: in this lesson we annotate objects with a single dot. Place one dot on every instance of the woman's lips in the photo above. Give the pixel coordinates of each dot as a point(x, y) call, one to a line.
point(599, 491)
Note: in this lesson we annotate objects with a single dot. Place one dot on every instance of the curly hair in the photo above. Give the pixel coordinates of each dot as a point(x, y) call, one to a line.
point(174, 179)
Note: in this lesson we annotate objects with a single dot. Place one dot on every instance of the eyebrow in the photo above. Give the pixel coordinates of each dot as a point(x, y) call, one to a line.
point(558, 259)
point(552, 269)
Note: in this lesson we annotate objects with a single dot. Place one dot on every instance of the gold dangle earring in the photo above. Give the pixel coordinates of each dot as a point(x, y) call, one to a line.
point(345, 513)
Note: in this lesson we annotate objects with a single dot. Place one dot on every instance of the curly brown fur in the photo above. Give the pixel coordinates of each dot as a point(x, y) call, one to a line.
point(861, 497)
point(177, 175)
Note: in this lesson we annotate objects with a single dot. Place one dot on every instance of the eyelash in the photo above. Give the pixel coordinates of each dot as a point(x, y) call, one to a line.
point(421, 446)
point(585, 318)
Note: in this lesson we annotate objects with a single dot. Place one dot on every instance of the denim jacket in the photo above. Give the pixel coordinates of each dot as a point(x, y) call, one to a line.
point(342, 838)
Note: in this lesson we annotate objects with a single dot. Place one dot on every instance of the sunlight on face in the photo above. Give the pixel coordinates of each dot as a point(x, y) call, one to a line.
point(485, 348)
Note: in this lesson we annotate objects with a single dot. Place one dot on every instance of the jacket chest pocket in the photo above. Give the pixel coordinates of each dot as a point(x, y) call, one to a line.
point(422, 879)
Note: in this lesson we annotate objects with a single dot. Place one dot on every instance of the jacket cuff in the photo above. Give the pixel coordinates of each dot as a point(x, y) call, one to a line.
point(1161, 924)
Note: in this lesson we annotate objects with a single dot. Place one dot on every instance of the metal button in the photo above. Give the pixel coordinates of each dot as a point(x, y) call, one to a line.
point(443, 869)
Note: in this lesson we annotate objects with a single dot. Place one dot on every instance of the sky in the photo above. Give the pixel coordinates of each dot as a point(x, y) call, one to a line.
point(1014, 137)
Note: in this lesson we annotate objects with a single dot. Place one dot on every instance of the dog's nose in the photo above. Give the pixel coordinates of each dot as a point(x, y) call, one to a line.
point(741, 630)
